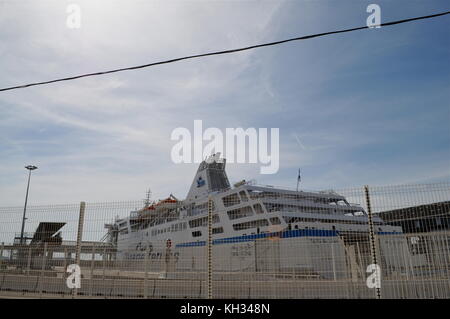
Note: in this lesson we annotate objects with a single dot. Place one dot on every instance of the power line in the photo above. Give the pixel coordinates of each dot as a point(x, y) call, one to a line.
point(224, 52)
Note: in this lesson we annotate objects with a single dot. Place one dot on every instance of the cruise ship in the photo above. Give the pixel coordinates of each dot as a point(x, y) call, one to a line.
point(254, 228)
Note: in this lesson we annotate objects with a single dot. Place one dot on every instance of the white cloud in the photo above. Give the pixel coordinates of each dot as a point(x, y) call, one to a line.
point(108, 137)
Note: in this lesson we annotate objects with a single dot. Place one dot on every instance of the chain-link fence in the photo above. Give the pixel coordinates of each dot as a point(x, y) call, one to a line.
point(248, 241)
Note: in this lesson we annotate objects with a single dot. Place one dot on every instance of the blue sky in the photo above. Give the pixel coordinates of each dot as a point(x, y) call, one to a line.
point(369, 107)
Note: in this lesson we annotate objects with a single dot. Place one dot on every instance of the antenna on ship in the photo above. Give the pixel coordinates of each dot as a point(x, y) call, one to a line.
point(147, 198)
point(299, 178)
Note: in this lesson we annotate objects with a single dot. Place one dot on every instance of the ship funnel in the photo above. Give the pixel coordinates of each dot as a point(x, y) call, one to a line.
point(210, 177)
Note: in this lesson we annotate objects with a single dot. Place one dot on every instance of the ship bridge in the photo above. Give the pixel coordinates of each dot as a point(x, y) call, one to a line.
point(210, 177)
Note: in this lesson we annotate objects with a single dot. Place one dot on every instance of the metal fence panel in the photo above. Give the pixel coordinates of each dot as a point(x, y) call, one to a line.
point(250, 241)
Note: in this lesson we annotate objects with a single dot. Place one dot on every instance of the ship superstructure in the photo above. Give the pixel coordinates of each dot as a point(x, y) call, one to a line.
point(243, 214)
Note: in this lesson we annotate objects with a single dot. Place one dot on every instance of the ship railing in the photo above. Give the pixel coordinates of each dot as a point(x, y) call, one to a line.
point(281, 188)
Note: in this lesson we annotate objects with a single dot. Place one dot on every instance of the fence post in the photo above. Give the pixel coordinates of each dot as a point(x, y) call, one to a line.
point(334, 262)
point(79, 239)
point(65, 262)
point(146, 272)
point(91, 284)
point(209, 247)
point(372, 239)
point(1, 254)
point(104, 264)
point(167, 258)
point(29, 261)
point(41, 276)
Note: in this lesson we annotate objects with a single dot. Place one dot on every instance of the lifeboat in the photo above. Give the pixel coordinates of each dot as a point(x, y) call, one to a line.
point(163, 204)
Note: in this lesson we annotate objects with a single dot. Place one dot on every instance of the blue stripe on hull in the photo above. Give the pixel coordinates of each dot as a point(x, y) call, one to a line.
point(284, 234)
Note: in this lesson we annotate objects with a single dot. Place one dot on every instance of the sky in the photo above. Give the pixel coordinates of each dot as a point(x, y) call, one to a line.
point(367, 107)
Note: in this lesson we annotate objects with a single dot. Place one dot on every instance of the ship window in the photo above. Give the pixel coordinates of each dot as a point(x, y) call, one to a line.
point(240, 212)
point(231, 200)
point(275, 221)
point(217, 179)
point(201, 208)
point(254, 194)
point(258, 208)
point(251, 224)
point(244, 197)
point(198, 222)
point(196, 233)
point(218, 230)
point(201, 222)
point(276, 207)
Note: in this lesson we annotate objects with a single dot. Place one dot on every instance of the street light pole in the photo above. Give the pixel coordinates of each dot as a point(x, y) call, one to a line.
point(29, 168)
